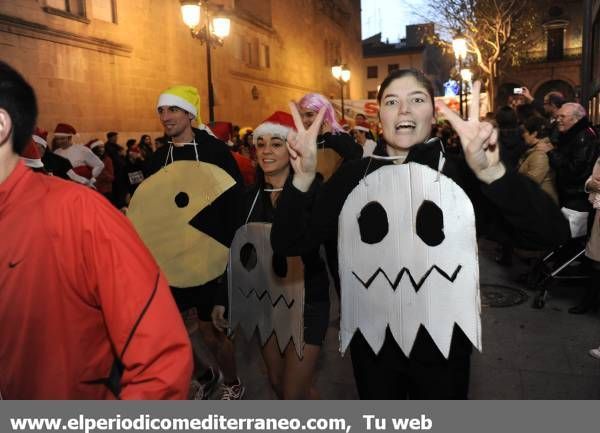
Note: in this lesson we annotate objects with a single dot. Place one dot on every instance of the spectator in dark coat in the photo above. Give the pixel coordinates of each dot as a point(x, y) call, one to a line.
point(120, 183)
point(574, 158)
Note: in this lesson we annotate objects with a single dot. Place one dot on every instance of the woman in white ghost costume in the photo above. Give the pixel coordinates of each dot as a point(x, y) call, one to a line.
point(291, 378)
point(407, 108)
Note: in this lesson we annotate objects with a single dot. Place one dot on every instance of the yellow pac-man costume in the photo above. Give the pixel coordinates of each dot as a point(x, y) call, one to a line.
point(187, 213)
point(162, 210)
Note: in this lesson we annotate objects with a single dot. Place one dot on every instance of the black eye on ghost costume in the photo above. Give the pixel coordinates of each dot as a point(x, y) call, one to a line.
point(280, 265)
point(248, 256)
point(430, 223)
point(373, 223)
point(182, 199)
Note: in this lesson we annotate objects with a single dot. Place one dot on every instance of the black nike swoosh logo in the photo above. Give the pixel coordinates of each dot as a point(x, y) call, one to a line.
point(14, 264)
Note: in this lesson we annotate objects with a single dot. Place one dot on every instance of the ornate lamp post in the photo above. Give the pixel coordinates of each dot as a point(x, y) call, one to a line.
point(459, 45)
point(466, 76)
point(342, 75)
point(212, 33)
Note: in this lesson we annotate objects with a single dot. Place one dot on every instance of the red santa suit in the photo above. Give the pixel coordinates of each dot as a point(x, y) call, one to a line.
point(86, 165)
point(77, 283)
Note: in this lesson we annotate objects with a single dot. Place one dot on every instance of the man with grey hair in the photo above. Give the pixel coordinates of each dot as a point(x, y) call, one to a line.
point(574, 157)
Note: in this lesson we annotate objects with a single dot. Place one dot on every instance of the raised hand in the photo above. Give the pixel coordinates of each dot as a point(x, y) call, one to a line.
point(527, 94)
point(302, 146)
point(218, 318)
point(479, 140)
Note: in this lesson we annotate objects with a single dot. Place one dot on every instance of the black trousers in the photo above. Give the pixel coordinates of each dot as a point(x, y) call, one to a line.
point(425, 375)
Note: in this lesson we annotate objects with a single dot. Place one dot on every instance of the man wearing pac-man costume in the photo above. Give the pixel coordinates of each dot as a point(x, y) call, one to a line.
point(186, 213)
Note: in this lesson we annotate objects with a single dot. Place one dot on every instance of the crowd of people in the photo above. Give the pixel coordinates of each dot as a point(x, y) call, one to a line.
point(110, 268)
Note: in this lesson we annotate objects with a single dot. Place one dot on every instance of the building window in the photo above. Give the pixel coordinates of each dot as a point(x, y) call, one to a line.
point(264, 58)
point(372, 72)
point(556, 44)
point(251, 52)
point(73, 7)
point(372, 94)
point(104, 10)
point(238, 47)
point(393, 67)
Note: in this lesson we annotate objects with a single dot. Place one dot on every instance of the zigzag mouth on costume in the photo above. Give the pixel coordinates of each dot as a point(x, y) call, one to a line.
point(266, 293)
point(416, 285)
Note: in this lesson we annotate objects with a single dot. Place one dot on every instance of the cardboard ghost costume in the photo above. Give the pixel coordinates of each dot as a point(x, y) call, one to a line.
point(265, 291)
point(161, 211)
point(408, 256)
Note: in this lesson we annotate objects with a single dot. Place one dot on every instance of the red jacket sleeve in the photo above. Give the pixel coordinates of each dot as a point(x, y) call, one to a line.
point(135, 300)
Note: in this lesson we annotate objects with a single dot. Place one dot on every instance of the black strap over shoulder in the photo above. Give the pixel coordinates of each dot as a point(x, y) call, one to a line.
point(113, 381)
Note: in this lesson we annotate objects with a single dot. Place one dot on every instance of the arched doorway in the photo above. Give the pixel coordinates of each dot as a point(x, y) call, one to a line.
point(557, 85)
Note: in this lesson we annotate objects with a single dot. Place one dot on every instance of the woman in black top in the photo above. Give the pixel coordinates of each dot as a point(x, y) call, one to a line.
point(407, 113)
point(335, 147)
point(290, 377)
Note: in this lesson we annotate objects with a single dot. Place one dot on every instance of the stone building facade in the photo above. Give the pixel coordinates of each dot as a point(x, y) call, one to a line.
point(554, 63)
point(101, 64)
point(411, 52)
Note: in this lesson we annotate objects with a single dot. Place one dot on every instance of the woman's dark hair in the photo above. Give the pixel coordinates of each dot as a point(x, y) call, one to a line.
point(145, 148)
point(142, 138)
point(18, 99)
point(401, 73)
point(537, 125)
point(506, 118)
point(247, 139)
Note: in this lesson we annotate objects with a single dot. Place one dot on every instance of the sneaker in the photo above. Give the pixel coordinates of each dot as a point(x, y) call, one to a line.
point(595, 353)
point(233, 392)
point(204, 390)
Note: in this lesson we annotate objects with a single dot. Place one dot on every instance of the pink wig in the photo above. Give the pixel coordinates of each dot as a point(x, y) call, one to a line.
point(315, 101)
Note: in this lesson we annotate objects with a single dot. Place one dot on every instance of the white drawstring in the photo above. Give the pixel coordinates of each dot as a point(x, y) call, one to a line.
point(252, 207)
point(273, 190)
point(441, 161)
point(170, 152)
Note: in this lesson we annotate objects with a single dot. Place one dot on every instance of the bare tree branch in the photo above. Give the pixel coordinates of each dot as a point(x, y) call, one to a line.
point(493, 29)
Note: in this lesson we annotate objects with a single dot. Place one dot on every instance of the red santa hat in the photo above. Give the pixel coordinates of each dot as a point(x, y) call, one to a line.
point(222, 130)
point(40, 136)
point(362, 126)
point(64, 130)
point(278, 124)
point(94, 143)
point(31, 156)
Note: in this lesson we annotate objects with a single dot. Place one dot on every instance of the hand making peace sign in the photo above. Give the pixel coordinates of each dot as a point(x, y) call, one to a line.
point(302, 146)
point(479, 140)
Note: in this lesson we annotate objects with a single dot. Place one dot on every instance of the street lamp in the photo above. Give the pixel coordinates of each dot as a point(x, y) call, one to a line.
point(342, 75)
point(466, 76)
point(212, 33)
point(459, 45)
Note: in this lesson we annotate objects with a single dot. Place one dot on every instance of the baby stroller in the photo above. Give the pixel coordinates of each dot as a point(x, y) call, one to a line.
point(564, 263)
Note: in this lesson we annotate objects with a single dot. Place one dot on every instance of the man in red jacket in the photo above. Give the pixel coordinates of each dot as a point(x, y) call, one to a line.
point(85, 312)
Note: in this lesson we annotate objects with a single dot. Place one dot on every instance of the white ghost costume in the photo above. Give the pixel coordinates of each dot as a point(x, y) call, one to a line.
point(262, 297)
point(421, 270)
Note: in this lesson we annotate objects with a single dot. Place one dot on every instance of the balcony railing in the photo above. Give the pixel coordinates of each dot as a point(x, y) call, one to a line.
point(542, 56)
